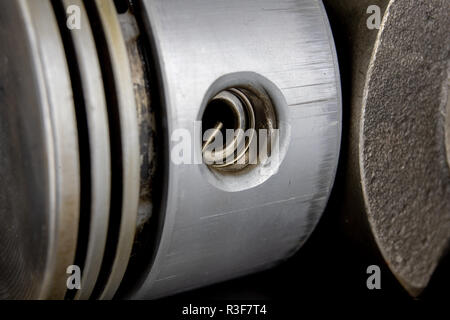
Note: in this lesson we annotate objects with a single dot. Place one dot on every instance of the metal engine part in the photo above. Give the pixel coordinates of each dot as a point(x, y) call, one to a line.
point(92, 123)
point(39, 168)
point(397, 186)
point(245, 221)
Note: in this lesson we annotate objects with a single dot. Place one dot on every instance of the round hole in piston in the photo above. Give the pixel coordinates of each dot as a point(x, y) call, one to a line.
point(266, 115)
point(228, 129)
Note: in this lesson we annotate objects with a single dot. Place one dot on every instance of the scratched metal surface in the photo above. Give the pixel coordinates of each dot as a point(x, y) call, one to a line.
point(210, 234)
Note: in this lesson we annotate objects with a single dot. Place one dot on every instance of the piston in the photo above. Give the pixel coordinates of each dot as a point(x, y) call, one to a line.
point(89, 126)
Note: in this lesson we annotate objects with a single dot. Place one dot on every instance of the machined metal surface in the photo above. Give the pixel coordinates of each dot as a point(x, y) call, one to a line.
point(231, 225)
point(39, 170)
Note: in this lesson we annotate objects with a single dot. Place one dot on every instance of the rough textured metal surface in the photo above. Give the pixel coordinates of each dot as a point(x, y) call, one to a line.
point(145, 113)
point(405, 177)
point(356, 43)
point(213, 227)
point(39, 169)
point(409, 68)
point(446, 96)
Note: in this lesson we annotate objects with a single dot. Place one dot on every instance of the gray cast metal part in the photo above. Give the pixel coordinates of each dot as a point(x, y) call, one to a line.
point(397, 185)
point(403, 163)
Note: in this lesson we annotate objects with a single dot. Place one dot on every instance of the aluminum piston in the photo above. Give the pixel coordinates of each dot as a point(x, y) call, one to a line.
point(103, 164)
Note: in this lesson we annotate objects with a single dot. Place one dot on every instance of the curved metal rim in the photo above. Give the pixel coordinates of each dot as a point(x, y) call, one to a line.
point(97, 120)
point(63, 144)
point(130, 143)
